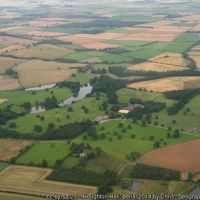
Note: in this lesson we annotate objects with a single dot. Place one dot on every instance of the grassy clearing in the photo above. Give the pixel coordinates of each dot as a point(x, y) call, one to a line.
point(50, 151)
point(128, 143)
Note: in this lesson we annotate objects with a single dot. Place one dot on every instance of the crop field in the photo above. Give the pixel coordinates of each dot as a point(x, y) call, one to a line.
point(140, 143)
point(7, 40)
point(6, 63)
point(11, 148)
point(44, 34)
point(173, 59)
point(81, 56)
point(45, 150)
point(8, 83)
point(38, 72)
point(197, 60)
point(43, 51)
point(182, 157)
point(3, 100)
point(34, 182)
point(168, 84)
point(99, 45)
point(158, 67)
point(8, 196)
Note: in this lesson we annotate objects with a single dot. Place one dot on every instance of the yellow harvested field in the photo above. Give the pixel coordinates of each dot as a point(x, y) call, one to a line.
point(75, 40)
point(11, 148)
point(9, 49)
point(189, 18)
point(43, 51)
point(162, 34)
point(38, 72)
point(44, 34)
point(175, 59)
point(168, 84)
point(10, 28)
point(99, 45)
point(158, 67)
point(7, 62)
point(197, 60)
point(196, 48)
point(34, 183)
point(7, 40)
point(8, 84)
point(45, 23)
point(3, 100)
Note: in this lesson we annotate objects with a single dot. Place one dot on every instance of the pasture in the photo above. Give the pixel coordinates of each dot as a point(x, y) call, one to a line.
point(34, 183)
point(10, 148)
point(19, 97)
point(125, 94)
point(181, 157)
point(189, 122)
point(168, 84)
point(60, 116)
point(134, 139)
point(45, 150)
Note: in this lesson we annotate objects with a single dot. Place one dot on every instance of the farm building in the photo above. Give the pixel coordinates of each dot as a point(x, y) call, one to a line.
point(130, 107)
point(102, 118)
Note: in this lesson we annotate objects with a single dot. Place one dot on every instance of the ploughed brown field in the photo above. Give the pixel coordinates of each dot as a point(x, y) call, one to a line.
point(31, 180)
point(181, 157)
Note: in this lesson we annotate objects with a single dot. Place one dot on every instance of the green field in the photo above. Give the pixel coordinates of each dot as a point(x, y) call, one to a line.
point(59, 116)
point(126, 94)
point(82, 78)
point(183, 43)
point(18, 97)
point(187, 121)
point(104, 162)
point(82, 55)
point(50, 151)
point(140, 143)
